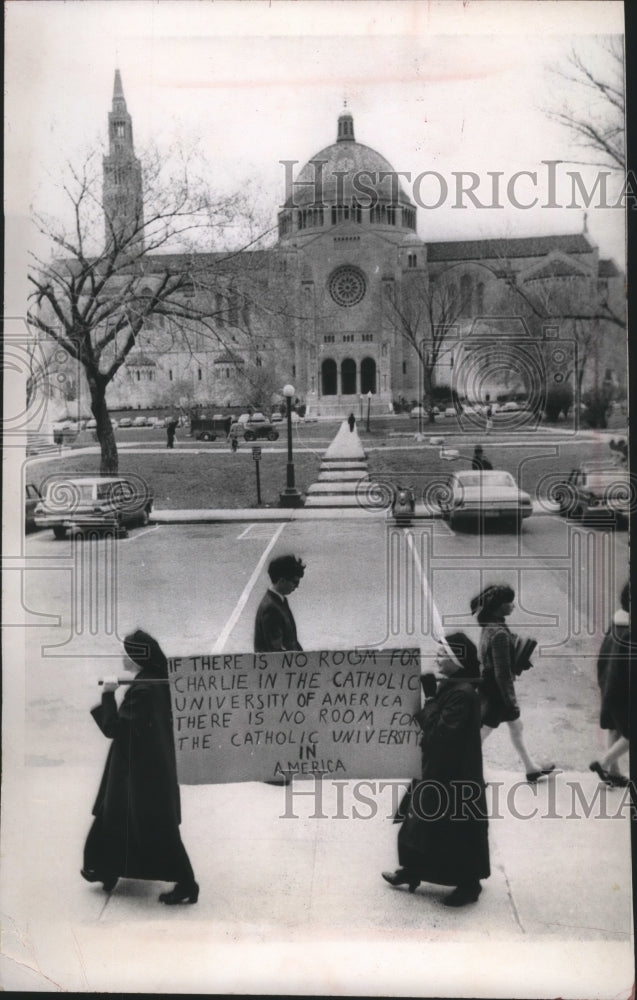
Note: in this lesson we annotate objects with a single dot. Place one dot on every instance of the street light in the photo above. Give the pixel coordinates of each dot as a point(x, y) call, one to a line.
point(360, 399)
point(369, 403)
point(290, 497)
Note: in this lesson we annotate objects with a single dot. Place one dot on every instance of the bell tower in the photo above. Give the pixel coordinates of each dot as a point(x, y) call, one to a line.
point(122, 196)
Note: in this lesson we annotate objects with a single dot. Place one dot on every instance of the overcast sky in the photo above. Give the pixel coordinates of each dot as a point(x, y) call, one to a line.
point(445, 87)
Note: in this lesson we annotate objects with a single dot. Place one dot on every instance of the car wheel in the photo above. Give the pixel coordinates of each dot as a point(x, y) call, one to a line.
point(273, 436)
point(205, 437)
point(249, 436)
point(59, 532)
point(144, 519)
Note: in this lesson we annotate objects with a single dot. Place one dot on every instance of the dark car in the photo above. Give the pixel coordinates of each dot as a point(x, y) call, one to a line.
point(32, 497)
point(255, 427)
point(595, 489)
point(105, 502)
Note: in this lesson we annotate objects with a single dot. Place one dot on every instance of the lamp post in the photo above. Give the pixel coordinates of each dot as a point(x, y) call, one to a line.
point(290, 496)
point(369, 403)
point(360, 399)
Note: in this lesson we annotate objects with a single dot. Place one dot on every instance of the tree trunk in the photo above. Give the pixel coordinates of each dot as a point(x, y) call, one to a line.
point(109, 463)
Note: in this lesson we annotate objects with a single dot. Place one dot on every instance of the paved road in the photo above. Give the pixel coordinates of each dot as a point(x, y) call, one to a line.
point(367, 583)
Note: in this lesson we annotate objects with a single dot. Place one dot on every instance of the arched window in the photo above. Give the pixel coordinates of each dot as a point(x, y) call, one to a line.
point(466, 292)
point(480, 298)
point(328, 377)
point(348, 377)
point(368, 375)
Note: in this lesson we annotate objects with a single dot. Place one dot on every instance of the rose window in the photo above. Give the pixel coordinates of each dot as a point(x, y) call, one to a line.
point(347, 286)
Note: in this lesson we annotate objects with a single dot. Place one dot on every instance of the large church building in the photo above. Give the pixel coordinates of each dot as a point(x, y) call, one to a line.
point(350, 300)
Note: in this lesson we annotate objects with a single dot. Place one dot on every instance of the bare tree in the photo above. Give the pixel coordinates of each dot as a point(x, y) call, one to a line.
point(596, 115)
point(94, 300)
point(422, 313)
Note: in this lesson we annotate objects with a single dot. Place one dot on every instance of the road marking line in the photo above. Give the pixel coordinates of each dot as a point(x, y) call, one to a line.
point(436, 620)
point(245, 531)
point(247, 590)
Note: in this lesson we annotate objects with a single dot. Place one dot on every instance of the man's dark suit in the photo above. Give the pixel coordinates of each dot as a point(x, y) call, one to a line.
point(274, 625)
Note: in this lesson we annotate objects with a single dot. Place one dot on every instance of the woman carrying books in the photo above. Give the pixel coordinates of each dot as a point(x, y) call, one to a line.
point(502, 657)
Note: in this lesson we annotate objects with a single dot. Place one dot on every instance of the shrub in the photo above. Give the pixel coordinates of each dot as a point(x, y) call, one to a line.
point(559, 399)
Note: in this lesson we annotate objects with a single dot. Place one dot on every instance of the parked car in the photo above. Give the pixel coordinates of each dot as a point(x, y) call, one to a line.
point(64, 431)
point(417, 411)
point(210, 428)
point(140, 421)
point(510, 407)
point(493, 494)
point(125, 422)
point(91, 424)
point(104, 502)
point(256, 427)
point(601, 489)
point(32, 497)
point(276, 417)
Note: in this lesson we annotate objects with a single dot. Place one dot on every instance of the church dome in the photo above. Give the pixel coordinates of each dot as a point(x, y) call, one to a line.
point(346, 182)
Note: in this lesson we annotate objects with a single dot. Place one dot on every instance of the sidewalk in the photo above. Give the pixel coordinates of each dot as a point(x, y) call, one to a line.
point(297, 905)
point(205, 516)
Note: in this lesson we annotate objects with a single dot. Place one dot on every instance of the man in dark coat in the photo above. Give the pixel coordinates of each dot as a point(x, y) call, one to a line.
point(274, 626)
point(444, 837)
point(171, 430)
point(479, 461)
point(613, 677)
point(137, 812)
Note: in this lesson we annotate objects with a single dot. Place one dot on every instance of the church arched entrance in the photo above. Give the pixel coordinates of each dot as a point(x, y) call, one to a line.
point(328, 377)
point(348, 377)
point(368, 375)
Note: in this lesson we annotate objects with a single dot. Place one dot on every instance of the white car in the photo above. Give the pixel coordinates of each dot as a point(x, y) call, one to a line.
point(492, 494)
point(510, 407)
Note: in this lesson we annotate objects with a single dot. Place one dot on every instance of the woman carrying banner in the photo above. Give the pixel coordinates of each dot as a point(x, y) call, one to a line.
point(444, 836)
point(137, 812)
point(497, 648)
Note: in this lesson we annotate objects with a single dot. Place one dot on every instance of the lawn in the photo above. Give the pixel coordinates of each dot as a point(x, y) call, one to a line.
point(214, 477)
point(189, 480)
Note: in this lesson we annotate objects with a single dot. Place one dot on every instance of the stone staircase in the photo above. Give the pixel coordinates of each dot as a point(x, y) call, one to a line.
point(343, 466)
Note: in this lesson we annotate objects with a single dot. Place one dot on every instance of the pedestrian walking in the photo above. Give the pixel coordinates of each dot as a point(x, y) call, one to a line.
point(171, 430)
point(444, 836)
point(489, 419)
point(274, 626)
point(135, 833)
point(351, 420)
point(613, 677)
point(497, 651)
point(479, 460)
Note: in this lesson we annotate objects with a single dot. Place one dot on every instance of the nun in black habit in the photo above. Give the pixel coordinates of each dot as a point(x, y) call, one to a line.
point(444, 835)
point(137, 812)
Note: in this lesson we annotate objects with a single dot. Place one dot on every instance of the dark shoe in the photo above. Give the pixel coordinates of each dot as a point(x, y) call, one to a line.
point(533, 776)
point(91, 875)
point(603, 774)
point(402, 877)
point(463, 894)
point(182, 893)
point(612, 779)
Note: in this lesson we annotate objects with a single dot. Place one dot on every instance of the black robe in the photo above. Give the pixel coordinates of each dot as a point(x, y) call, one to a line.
point(137, 811)
point(444, 837)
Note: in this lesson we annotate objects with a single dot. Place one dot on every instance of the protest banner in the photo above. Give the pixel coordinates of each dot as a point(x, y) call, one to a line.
point(255, 716)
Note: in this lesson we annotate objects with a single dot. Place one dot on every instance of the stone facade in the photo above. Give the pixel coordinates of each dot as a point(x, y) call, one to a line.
point(327, 308)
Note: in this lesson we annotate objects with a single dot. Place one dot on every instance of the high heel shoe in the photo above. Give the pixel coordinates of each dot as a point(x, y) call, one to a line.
point(401, 877)
point(91, 875)
point(533, 776)
point(182, 893)
point(612, 779)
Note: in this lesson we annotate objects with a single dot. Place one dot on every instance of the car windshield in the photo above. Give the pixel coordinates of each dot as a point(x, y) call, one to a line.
point(83, 491)
point(485, 479)
point(602, 479)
